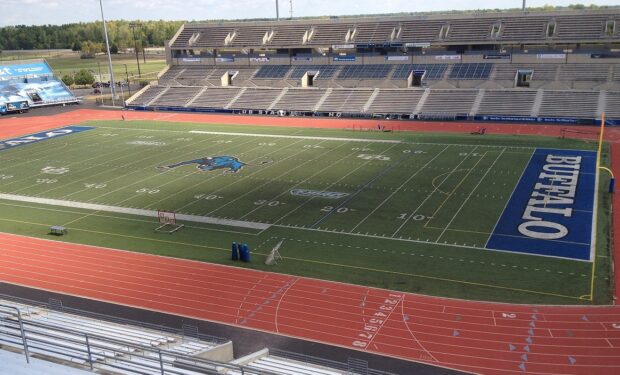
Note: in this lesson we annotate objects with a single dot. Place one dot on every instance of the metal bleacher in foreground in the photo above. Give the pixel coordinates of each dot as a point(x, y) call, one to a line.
point(113, 346)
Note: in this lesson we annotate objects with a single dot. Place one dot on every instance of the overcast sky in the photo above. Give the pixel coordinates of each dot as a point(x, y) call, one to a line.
point(37, 12)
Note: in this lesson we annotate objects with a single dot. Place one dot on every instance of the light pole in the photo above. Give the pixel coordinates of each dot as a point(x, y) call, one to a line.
point(133, 26)
point(127, 79)
point(107, 46)
point(277, 11)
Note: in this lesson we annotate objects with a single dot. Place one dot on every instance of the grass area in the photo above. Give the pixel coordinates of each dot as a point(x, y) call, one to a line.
point(409, 212)
point(67, 62)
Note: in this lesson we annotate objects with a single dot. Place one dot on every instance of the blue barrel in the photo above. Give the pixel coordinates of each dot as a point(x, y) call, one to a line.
point(235, 252)
point(245, 252)
point(612, 185)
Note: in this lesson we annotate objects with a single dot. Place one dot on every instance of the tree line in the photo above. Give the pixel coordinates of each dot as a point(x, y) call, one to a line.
point(89, 35)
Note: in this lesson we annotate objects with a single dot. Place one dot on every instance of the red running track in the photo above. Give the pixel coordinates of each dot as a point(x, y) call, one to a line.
point(472, 336)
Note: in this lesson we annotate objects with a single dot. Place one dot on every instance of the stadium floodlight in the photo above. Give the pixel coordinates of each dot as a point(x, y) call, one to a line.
point(132, 26)
point(107, 46)
point(277, 11)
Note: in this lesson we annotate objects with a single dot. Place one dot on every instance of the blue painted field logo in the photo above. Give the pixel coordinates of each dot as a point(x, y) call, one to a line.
point(552, 207)
point(318, 194)
point(554, 194)
point(37, 137)
point(212, 163)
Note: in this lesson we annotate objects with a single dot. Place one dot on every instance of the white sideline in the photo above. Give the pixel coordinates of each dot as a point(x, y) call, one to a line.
point(134, 211)
point(370, 140)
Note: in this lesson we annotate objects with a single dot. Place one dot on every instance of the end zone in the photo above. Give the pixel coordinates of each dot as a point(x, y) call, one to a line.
point(551, 211)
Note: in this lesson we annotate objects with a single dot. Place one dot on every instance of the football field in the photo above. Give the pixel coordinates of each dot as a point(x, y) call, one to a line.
point(416, 212)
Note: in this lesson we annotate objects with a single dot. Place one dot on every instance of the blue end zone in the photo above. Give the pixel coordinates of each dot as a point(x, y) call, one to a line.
point(38, 137)
point(551, 210)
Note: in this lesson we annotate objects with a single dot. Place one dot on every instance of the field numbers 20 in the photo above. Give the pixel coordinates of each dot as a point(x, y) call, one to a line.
point(147, 191)
point(263, 202)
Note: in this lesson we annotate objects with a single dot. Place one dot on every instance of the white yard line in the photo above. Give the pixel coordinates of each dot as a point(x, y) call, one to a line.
point(287, 190)
point(263, 156)
point(269, 181)
point(370, 140)
point(509, 198)
point(398, 189)
point(331, 185)
point(49, 149)
point(418, 241)
point(433, 192)
point(470, 194)
point(133, 211)
point(176, 154)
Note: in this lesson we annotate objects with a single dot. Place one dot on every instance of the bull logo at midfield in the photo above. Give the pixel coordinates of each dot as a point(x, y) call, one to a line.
point(211, 163)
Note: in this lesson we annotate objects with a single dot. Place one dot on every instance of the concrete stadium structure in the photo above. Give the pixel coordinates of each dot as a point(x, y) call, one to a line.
point(550, 66)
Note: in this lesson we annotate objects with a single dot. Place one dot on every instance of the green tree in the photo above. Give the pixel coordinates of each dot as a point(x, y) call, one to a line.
point(114, 49)
point(84, 77)
point(68, 80)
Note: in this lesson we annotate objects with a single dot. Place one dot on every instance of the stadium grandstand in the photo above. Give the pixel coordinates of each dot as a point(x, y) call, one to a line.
point(492, 66)
point(29, 84)
point(105, 344)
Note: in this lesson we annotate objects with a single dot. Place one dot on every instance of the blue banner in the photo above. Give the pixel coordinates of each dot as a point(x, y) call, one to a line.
point(20, 70)
point(344, 58)
point(551, 209)
point(43, 136)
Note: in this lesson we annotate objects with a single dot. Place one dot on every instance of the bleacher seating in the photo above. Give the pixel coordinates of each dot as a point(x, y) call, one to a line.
point(110, 347)
point(580, 27)
point(584, 72)
point(395, 101)
point(471, 71)
point(470, 30)
point(272, 71)
point(507, 102)
point(542, 72)
point(433, 71)
point(253, 98)
point(569, 104)
point(114, 346)
point(524, 28)
point(612, 107)
point(215, 97)
point(177, 96)
point(346, 100)
point(300, 99)
point(373, 71)
point(449, 102)
point(148, 95)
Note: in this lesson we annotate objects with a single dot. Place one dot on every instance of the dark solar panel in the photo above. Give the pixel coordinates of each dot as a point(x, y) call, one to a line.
point(471, 71)
point(377, 71)
point(272, 71)
point(433, 71)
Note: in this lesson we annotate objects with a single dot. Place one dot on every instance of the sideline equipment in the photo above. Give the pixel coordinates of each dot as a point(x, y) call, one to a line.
point(167, 222)
point(274, 255)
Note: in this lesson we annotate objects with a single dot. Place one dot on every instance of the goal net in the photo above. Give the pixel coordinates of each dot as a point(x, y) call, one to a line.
point(274, 255)
point(167, 222)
